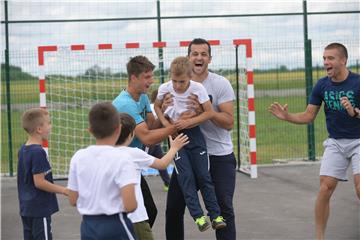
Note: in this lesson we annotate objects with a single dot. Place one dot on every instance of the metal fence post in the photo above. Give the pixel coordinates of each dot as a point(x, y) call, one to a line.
point(7, 77)
point(160, 51)
point(309, 83)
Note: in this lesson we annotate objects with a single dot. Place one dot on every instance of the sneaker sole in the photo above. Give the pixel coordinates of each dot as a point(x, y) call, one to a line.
point(205, 228)
point(220, 226)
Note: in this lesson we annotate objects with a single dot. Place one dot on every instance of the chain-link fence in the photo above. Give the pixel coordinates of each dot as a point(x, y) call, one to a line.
point(278, 53)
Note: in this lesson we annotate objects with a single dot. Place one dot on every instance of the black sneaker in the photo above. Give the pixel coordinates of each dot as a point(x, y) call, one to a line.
point(218, 223)
point(202, 223)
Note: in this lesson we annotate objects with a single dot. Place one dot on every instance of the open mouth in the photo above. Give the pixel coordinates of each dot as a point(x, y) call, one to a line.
point(198, 64)
point(328, 69)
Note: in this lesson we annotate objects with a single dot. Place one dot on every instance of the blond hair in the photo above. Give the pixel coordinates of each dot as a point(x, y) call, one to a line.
point(33, 118)
point(180, 66)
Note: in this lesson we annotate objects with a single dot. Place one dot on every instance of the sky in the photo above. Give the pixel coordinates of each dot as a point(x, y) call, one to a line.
point(277, 40)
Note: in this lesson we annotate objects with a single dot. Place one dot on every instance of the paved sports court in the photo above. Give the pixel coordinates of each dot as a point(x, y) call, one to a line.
point(277, 205)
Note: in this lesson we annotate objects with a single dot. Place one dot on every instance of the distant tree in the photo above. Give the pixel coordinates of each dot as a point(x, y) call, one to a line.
point(283, 68)
point(16, 73)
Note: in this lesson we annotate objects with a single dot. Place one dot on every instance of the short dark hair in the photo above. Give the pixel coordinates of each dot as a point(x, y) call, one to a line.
point(138, 65)
point(198, 41)
point(340, 47)
point(103, 120)
point(127, 127)
point(33, 118)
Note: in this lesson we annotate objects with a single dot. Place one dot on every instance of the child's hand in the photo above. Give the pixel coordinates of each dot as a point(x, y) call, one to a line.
point(187, 114)
point(194, 104)
point(66, 192)
point(180, 141)
point(182, 124)
point(167, 101)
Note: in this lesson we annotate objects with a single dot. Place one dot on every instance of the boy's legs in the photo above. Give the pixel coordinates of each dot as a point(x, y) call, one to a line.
point(165, 177)
point(157, 152)
point(186, 180)
point(37, 228)
point(148, 201)
point(223, 175)
point(175, 209)
point(200, 163)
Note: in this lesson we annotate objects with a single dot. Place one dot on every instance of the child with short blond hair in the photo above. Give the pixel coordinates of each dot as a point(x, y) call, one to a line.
point(36, 190)
point(191, 162)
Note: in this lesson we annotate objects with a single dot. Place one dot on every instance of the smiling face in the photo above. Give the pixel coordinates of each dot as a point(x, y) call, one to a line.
point(200, 57)
point(334, 63)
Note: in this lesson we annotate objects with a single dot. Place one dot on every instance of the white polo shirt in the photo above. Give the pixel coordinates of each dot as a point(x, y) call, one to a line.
point(97, 173)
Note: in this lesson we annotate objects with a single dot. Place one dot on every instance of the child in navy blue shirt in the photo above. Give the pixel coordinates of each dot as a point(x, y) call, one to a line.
point(36, 189)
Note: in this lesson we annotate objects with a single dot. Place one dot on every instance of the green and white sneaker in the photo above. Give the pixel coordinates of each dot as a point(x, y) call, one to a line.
point(202, 223)
point(218, 223)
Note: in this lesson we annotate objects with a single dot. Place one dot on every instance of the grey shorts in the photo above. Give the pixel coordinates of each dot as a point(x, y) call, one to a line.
point(337, 156)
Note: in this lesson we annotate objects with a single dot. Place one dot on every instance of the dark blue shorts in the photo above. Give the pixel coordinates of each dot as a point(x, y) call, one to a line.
point(37, 228)
point(101, 227)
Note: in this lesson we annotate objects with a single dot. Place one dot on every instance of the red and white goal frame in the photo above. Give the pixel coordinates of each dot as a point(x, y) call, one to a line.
point(247, 43)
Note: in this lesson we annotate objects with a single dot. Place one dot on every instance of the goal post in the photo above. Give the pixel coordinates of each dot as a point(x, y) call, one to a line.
point(245, 108)
point(73, 78)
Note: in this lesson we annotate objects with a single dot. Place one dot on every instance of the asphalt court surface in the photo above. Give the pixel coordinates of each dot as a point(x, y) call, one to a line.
point(277, 205)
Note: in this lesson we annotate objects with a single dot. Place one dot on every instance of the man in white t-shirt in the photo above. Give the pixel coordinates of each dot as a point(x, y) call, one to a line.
point(219, 145)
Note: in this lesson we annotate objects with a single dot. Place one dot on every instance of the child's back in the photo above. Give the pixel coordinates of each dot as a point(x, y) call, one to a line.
point(102, 180)
point(97, 172)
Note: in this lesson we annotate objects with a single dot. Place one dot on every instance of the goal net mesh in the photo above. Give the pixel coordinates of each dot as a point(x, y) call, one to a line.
point(76, 80)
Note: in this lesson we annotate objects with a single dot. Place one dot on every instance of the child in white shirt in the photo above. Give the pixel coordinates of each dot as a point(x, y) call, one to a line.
point(142, 161)
point(102, 180)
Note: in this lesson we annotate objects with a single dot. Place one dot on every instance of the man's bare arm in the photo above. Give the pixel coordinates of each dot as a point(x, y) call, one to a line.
point(281, 112)
point(154, 136)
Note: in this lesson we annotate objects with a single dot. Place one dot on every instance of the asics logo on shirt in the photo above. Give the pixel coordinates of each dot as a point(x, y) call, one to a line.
point(332, 99)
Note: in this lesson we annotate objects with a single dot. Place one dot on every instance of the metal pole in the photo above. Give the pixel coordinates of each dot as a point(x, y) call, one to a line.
point(7, 79)
point(160, 50)
point(237, 105)
point(309, 83)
